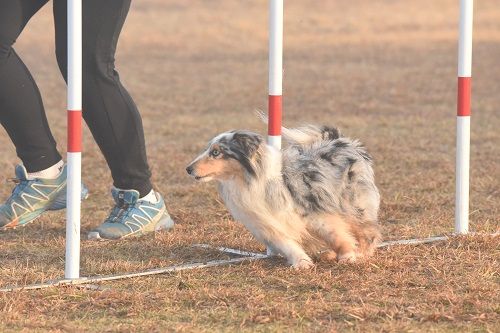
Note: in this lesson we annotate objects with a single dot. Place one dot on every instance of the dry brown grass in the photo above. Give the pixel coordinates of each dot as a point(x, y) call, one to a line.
point(383, 71)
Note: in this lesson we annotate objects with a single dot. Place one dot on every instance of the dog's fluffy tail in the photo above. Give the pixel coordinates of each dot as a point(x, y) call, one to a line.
point(306, 135)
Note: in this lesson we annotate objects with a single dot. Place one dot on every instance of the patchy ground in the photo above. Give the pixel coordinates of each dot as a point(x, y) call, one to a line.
point(383, 71)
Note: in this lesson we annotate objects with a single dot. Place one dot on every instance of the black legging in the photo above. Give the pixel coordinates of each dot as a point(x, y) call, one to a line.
point(108, 109)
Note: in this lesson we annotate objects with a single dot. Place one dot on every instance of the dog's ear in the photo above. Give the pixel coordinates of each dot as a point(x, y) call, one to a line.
point(330, 133)
point(247, 142)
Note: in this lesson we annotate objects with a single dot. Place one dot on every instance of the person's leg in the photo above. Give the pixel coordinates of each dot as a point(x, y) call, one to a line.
point(114, 121)
point(41, 180)
point(108, 109)
point(21, 109)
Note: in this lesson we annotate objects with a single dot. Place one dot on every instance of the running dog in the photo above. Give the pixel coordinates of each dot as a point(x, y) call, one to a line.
point(317, 194)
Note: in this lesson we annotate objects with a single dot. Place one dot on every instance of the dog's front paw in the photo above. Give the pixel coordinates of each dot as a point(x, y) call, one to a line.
point(305, 263)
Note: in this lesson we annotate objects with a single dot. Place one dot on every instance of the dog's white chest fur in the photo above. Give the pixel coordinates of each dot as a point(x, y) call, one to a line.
point(247, 202)
point(256, 205)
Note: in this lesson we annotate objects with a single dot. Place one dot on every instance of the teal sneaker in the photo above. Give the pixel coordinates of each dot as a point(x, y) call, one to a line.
point(32, 197)
point(133, 217)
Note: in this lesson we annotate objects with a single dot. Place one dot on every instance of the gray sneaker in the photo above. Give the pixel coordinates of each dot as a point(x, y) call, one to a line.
point(30, 198)
point(133, 217)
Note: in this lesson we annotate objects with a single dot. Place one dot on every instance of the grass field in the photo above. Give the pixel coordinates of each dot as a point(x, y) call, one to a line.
point(383, 71)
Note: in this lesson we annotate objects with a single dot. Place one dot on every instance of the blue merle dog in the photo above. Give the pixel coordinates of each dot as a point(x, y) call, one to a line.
point(317, 194)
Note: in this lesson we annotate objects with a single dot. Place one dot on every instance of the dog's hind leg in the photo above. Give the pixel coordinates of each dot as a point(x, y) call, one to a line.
point(368, 236)
point(329, 255)
point(337, 233)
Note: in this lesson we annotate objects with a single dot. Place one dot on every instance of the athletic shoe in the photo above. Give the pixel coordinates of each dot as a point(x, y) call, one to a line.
point(133, 217)
point(32, 197)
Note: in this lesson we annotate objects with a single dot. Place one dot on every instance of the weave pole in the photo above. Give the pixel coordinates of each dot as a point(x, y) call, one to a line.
point(74, 157)
point(275, 72)
point(463, 117)
point(275, 99)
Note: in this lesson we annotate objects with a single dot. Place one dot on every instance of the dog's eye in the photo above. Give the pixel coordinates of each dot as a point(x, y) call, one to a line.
point(215, 153)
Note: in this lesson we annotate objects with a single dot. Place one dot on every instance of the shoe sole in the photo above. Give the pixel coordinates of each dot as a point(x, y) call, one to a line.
point(15, 224)
point(165, 223)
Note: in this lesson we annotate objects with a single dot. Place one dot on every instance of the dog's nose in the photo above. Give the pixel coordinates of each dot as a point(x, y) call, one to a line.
point(189, 169)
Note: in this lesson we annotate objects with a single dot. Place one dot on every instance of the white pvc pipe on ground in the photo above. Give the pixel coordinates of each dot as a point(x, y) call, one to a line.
point(248, 256)
point(73, 198)
point(463, 117)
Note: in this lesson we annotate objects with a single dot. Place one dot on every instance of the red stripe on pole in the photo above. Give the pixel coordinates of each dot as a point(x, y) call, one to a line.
point(464, 96)
point(74, 131)
point(275, 107)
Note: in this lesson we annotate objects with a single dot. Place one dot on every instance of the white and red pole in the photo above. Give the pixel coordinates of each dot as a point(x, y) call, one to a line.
point(275, 72)
point(275, 103)
point(463, 117)
point(74, 157)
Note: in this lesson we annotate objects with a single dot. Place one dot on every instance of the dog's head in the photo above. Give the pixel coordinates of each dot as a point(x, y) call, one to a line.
point(235, 154)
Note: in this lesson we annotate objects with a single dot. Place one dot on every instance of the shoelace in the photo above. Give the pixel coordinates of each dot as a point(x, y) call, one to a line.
point(128, 209)
point(124, 211)
point(115, 214)
point(21, 184)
